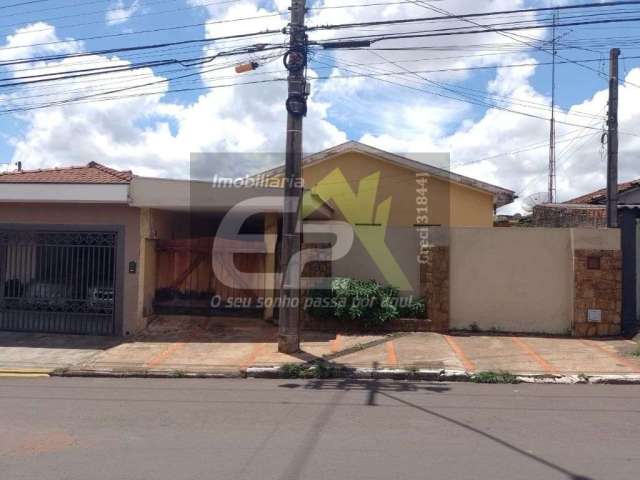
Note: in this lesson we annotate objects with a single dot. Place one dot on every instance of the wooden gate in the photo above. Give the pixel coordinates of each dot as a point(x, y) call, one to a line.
point(185, 277)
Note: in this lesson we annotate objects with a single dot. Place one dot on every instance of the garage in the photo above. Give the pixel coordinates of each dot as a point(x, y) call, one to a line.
point(60, 279)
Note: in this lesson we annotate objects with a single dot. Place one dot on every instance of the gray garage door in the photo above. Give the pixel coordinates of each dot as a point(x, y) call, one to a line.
point(58, 281)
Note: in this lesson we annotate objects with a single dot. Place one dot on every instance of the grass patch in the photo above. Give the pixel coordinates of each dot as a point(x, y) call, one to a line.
point(636, 353)
point(494, 377)
point(318, 369)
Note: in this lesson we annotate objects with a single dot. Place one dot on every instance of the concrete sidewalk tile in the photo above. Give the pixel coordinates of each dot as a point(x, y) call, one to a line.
point(617, 352)
point(211, 355)
point(426, 350)
point(534, 356)
point(129, 353)
point(574, 356)
point(368, 357)
point(453, 342)
point(499, 353)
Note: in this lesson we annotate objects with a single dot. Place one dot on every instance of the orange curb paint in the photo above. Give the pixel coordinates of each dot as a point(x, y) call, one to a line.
point(466, 362)
point(337, 344)
point(256, 351)
point(392, 356)
point(163, 355)
point(617, 358)
point(526, 348)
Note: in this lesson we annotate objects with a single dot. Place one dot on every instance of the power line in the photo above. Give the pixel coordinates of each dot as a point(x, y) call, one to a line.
point(454, 89)
point(470, 101)
point(139, 32)
point(471, 15)
point(452, 31)
point(118, 68)
point(199, 41)
point(21, 4)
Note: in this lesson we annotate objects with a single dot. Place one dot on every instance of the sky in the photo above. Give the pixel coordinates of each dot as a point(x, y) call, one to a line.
point(483, 98)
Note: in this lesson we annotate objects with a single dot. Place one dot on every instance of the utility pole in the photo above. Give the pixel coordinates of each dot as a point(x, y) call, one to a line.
point(552, 132)
point(295, 61)
point(612, 139)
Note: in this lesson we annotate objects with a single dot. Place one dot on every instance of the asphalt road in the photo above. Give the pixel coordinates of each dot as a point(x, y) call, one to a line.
point(86, 429)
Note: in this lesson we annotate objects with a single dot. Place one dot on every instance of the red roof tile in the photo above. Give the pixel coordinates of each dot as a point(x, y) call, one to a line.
point(92, 173)
point(600, 196)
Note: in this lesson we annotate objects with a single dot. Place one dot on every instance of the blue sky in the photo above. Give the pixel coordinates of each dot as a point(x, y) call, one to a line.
point(389, 116)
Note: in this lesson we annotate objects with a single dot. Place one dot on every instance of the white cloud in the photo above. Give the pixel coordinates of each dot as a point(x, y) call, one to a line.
point(36, 39)
point(156, 137)
point(119, 13)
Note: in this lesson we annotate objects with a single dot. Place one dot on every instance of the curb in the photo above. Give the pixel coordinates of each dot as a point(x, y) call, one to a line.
point(452, 376)
point(615, 379)
point(25, 372)
point(274, 372)
point(142, 373)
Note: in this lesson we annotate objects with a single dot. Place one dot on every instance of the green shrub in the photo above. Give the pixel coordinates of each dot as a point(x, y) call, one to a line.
point(494, 377)
point(317, 369)
point(414, 309)
point(361, 302)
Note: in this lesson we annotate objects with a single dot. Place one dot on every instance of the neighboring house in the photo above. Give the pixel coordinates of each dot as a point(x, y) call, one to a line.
point(93, 250)
point(588, 210)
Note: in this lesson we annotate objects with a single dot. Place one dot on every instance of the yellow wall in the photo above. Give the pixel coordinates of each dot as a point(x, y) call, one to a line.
point(449, 203)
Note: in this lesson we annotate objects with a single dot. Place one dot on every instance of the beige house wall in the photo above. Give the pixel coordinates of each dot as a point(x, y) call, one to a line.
point(518, 280)
point(73, 214)
point(449, 203)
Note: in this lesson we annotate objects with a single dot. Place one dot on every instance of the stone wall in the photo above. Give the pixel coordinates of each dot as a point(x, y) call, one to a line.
point(569, 216)
point(434, 285)
point(598, 287)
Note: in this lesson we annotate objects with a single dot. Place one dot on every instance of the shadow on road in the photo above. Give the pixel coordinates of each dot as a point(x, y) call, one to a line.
point(390, 390)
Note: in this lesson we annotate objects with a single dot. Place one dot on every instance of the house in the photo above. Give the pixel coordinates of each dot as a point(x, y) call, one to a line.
point(93, 250)
point(589, 210)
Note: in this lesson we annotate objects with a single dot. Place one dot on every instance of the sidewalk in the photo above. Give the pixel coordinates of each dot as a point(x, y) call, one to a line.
point(230, 346)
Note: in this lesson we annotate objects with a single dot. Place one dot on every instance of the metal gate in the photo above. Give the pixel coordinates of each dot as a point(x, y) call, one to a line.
point(58, 281)
point(630, 269)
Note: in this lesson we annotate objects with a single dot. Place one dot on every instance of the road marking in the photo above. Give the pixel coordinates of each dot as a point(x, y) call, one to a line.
point(392, 356)
point(466, 362)
point(336, 344)
point(617, 358)
point(528, 349)
point(163, 355)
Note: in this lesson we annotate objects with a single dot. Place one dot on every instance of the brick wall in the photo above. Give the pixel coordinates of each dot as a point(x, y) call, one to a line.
point(434, 285)
point(598, 286)
point(569, 216)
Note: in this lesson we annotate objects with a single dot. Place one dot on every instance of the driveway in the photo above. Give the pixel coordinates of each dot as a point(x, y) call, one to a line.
point(229, 345)
point(36, 352)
